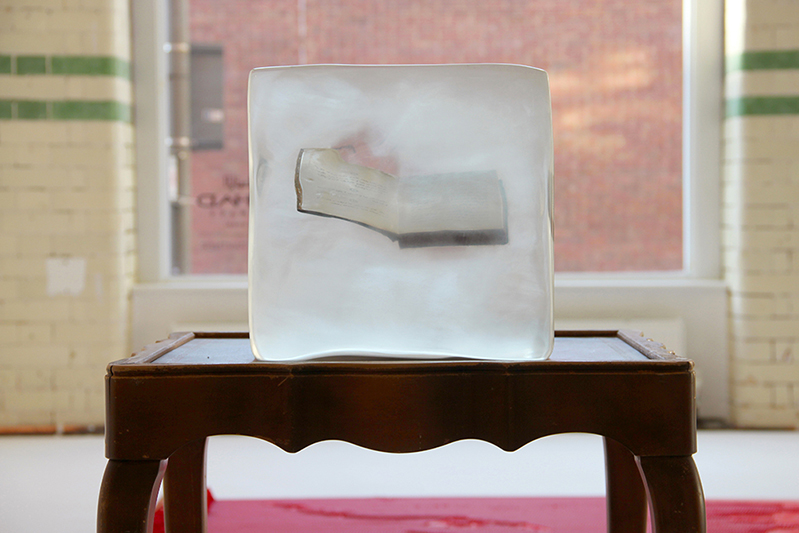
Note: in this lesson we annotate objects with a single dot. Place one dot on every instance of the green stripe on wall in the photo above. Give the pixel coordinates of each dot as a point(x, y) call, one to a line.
point(770, 60)
point(90, 66)
point(31, 65)
point(64, 110)
point(65, 65)
point(763, 105)
point(28, 110)
point(82, 110)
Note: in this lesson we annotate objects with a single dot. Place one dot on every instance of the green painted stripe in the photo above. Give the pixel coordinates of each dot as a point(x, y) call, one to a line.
point(31, 65)
point(763, 105)
point(83, 110)
point(66, 65)
point(90, 66)
point(65, 110)
point(31, 110)
point(770, 60)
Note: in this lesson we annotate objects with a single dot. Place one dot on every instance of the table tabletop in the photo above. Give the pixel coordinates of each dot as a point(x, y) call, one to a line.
point(608, 382)
point(200, 352)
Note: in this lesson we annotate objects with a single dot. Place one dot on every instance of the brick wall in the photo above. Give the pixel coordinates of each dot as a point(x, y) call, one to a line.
point(615, 71)
point(761, 209)
point(67, 255)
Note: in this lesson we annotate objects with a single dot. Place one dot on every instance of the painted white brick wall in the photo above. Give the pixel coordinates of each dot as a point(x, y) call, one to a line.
point(66, 191)
point(761, 219)
point(67, 253)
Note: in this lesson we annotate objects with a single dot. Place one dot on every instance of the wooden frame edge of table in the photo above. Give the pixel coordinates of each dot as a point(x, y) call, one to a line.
point(669, 482)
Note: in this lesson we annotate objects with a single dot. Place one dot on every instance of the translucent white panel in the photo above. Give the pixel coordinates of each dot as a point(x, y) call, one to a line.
point(400, 211)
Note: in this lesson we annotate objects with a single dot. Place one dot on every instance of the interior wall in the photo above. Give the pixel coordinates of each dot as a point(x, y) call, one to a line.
point(67, 250)
point(761, 210)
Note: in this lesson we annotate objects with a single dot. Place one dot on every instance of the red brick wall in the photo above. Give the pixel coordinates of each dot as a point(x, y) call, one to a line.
point(616, 80)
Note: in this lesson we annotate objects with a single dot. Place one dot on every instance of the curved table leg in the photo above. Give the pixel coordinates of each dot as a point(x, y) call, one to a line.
point(128, 495)
point(625, 493)
point(675, 494)
point(185, 496)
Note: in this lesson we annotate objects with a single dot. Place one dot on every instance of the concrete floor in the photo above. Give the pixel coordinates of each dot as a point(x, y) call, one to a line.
point(51, 483)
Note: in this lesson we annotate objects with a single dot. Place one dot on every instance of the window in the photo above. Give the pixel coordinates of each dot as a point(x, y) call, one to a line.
point(636, 102)
point(616, 82)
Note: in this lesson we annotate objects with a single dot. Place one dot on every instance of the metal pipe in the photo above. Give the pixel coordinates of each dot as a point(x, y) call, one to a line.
point(179, 50)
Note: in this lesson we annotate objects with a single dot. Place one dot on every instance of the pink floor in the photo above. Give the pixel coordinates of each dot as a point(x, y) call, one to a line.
point(484, 515)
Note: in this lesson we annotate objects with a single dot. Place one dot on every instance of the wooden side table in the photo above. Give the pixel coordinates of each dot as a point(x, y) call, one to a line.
point(163, 403)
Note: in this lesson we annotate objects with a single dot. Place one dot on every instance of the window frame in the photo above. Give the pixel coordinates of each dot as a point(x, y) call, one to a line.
point(162, 301)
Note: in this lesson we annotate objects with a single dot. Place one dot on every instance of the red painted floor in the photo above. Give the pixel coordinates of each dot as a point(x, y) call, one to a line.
point(483, 515)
